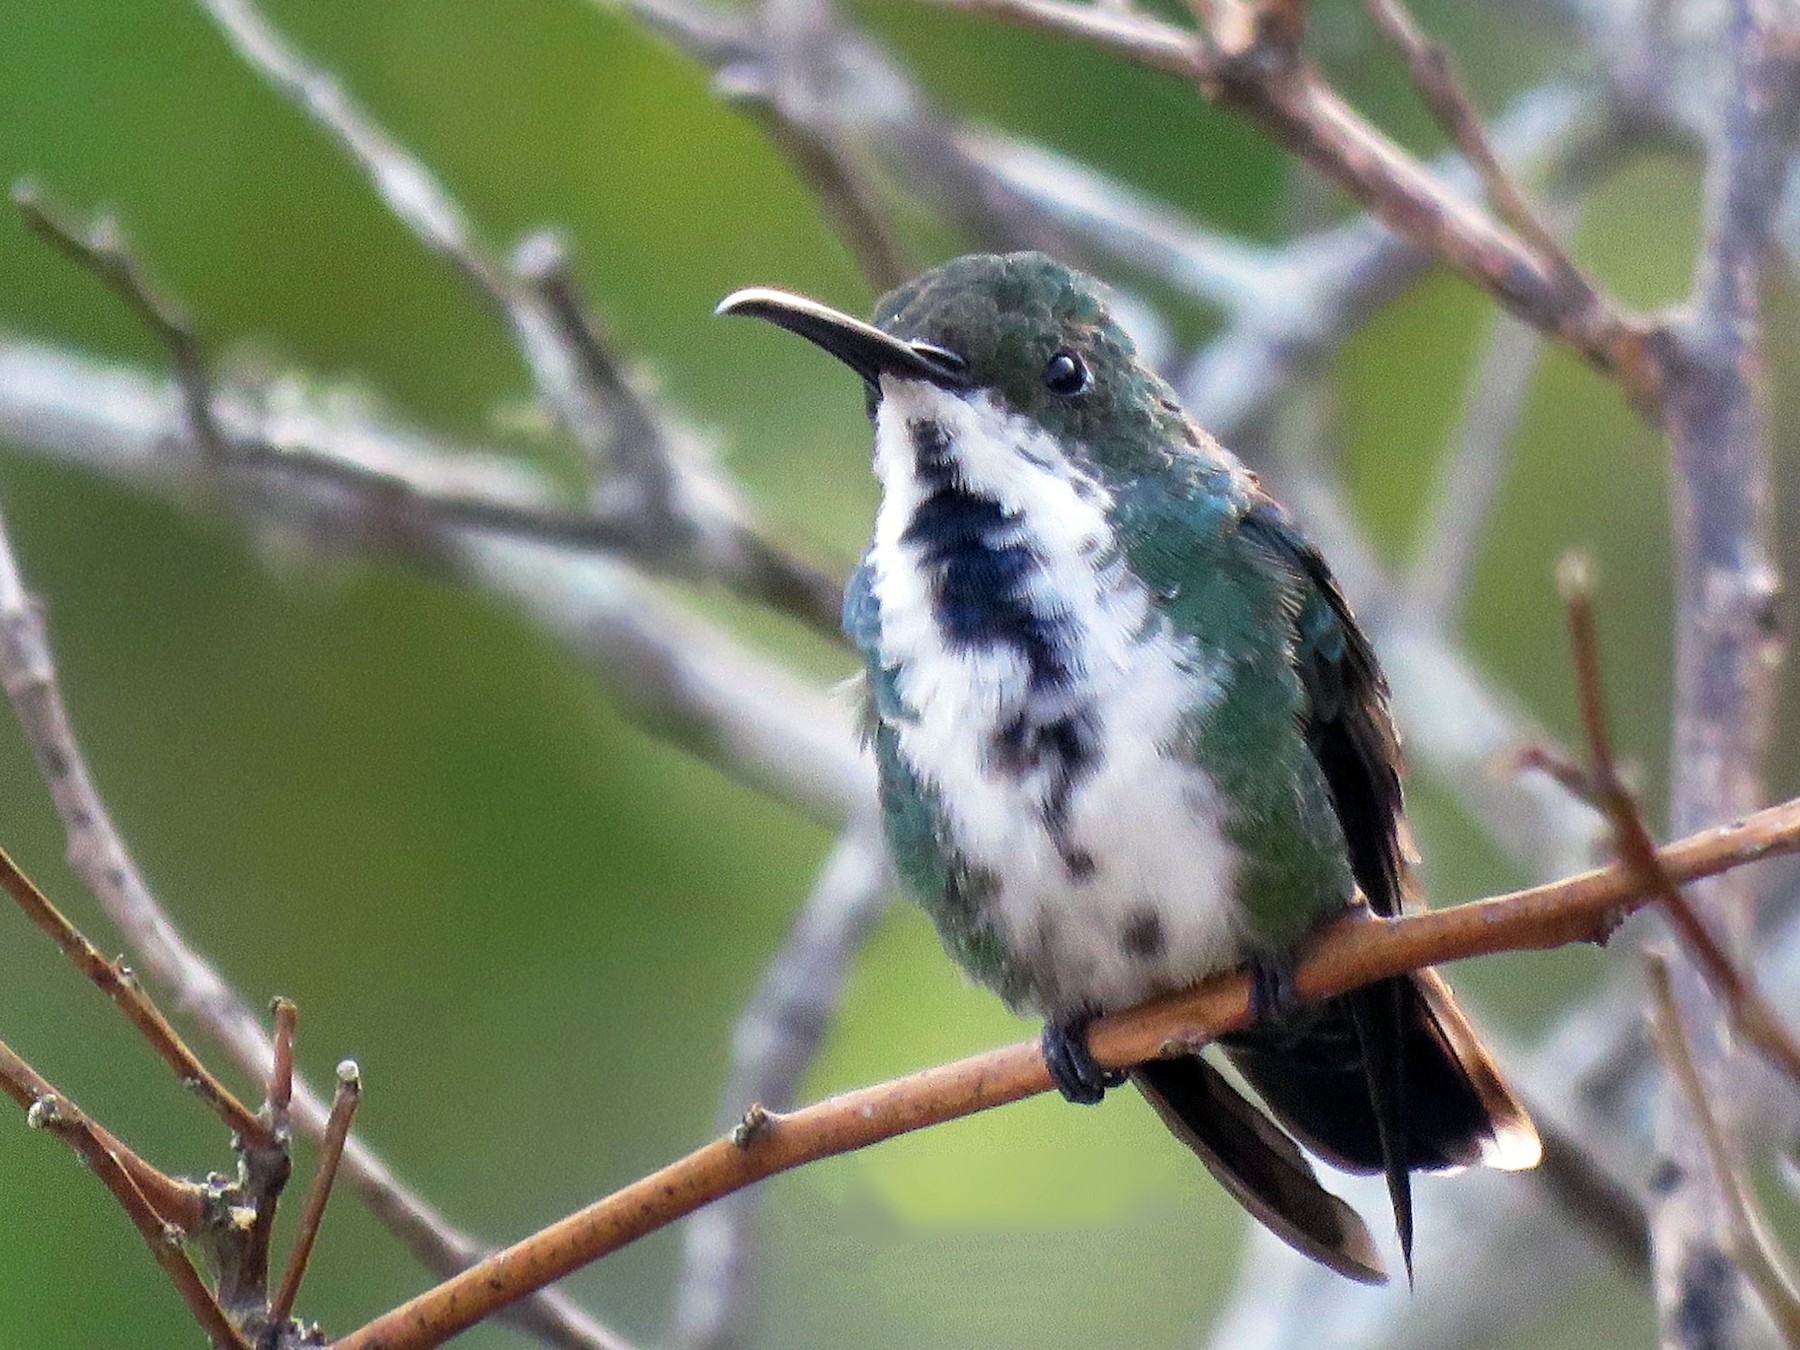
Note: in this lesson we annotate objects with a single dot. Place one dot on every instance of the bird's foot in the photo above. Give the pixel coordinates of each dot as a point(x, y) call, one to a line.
point(1073, 1068)
point(1273, 997)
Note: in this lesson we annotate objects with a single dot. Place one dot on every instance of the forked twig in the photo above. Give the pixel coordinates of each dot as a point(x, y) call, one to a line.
point(1746, 1008)
point(712, 535)
point(99, 857)
point(118, 983)
point(175, 1202)
point(49, 1109)
point(1243, 66)
point(101, 248)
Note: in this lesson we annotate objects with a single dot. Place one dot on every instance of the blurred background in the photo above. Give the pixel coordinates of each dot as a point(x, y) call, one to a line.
point(532, 922)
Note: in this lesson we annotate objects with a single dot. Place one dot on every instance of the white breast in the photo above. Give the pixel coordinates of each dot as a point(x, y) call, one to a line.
point(1154, 912)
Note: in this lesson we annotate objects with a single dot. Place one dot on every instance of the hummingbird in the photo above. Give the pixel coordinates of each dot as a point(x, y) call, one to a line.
point(1129, 734)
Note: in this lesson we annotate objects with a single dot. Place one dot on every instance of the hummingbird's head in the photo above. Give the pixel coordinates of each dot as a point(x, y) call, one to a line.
point(1019, 332)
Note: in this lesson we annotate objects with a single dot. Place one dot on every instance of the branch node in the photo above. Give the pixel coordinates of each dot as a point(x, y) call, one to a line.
point(46, 1112)
point(757, 1122)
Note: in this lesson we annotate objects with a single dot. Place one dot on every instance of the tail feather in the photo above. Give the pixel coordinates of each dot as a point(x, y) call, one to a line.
point(1376, 1013)
point(1259, 1165)
point(1457, 1110)
point(1389, 1079)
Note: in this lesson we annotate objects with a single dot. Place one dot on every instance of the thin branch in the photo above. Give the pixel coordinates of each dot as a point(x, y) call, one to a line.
point(1237, 67)
point(99, 858)
point(176, 1202)
point(1333, 280)
point(265, 1178)
point(1750, 1014)
point(1345, 955)
point(312, 1212)
point(102, 250)
point(776, 1040)
point(113, 978)
point(635, 446)
point(51, 1110)
point(1438, 83)
point(1752, 1244)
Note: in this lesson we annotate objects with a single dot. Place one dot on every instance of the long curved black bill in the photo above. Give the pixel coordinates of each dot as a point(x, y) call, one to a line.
point(863, 347)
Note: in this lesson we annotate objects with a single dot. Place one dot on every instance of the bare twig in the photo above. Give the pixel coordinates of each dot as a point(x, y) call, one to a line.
point(640, 522)
point(312, 1212)
point(176, 1202)
point(634, 445)
point(1752, 1245)
point(281, 1071)
point(1332, 281)
point(99, 858)
point(101, 248)
point(776, 1039)
point(1435, 76)
point(1750, 1014)
point(685, 677)
point(115, 979)
point(50, 1110)
point(1345, 955)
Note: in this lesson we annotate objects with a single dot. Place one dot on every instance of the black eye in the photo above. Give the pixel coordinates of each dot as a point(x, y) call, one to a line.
point(1065, 375)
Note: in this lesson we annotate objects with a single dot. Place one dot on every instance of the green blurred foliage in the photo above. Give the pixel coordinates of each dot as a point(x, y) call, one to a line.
point(531, 922)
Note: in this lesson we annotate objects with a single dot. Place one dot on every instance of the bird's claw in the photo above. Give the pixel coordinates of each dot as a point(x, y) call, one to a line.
point(1073, 1068)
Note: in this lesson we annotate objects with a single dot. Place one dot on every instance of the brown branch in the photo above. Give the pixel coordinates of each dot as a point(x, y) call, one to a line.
point(1752, 1245)
point(123, 1174)
point(118, 983)
point(176, 1202)
point(774, 1042)
point(1345, 956)
point(1238, 67)
point(1750, 1014)
point(281, 1072)
point(312, 1212)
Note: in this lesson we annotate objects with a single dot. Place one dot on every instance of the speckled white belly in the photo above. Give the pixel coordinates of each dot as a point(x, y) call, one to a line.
point(1130, 893)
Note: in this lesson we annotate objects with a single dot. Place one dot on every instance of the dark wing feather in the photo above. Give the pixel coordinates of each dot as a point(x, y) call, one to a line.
point(1347, 724)
point(1390, 1077)
point(1259, 1165)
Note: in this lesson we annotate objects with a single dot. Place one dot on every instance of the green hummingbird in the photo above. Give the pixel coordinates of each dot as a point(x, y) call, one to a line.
point(1129, 734)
